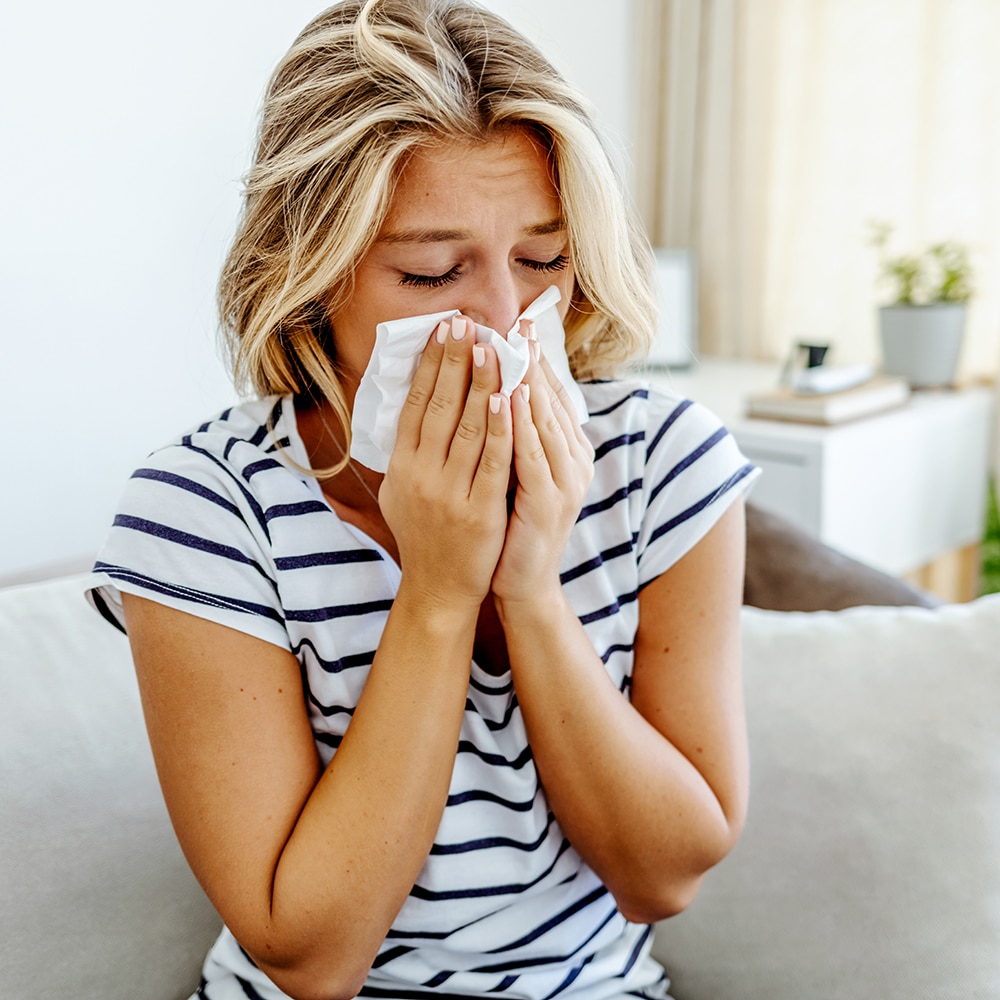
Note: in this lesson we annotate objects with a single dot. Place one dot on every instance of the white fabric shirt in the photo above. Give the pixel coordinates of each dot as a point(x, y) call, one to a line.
point(221, 525)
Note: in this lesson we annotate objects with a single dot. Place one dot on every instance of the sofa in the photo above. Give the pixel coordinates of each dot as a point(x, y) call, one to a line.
point(869, 867)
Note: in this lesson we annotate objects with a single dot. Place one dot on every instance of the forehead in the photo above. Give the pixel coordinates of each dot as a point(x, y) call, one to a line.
point(455, 177)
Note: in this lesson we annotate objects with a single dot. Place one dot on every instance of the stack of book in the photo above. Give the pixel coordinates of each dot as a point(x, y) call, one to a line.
point(878, 393)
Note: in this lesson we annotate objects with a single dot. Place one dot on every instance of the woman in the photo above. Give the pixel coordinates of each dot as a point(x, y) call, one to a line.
point(387, 711)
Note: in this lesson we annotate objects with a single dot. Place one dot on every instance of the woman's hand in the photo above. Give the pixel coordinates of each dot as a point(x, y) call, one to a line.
point(554, 465)
point(443, 496)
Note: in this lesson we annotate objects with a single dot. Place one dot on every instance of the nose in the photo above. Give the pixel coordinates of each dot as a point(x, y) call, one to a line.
point(496, 301)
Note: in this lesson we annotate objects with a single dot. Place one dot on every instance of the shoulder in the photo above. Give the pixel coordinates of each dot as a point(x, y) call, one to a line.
point(655, 421)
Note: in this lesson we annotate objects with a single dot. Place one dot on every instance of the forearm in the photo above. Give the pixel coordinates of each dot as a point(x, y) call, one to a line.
point(638, 811)
point(370, 822)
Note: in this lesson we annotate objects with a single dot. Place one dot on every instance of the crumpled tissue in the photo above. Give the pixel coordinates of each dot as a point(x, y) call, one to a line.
point(399, 344)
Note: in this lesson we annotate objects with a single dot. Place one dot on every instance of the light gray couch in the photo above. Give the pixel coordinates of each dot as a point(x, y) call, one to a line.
point(870, 866)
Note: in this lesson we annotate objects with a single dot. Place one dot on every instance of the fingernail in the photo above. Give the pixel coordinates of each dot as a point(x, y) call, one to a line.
point(442, 332)
point(478, 356)
point(458, 328)
point(530, 332)
point(536, 349)
point(495, 403)
point(526, 392)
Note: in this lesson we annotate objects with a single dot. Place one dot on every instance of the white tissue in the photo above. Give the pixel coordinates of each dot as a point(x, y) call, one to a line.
point(398, 347)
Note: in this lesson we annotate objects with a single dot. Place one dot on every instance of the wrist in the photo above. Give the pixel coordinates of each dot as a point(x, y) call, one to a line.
point(536, 606)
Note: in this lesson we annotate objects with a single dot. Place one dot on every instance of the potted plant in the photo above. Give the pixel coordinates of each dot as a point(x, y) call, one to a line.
point(923, 324)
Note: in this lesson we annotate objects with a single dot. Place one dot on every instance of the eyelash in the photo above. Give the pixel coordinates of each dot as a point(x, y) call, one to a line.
point(438, 280)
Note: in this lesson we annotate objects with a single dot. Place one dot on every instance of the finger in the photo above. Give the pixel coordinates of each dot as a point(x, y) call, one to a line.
point(530, 460)
point(493, 471)
point(467, 443)
point(445, 405)
point(569, 418)
point(421, 389)
point(551, 423)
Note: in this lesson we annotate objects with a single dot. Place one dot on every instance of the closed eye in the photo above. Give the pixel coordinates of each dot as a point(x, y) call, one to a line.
point(431, 280)
point(556, 264)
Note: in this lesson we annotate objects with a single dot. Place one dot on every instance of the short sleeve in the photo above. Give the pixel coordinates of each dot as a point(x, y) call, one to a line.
point(693, 471)
point(192, 534)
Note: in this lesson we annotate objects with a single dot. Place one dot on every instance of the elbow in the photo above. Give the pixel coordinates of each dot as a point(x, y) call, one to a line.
point(315, 979)
point(672, 890)
point(305, 984)
point(651, 907)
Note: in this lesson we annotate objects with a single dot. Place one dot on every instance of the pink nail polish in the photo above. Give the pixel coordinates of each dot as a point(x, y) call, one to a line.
point(531, 333)
point(495, 403)
point(536, 349)
point(525, 392)
point(442, 332)
point(458, 326)
point(478, 356)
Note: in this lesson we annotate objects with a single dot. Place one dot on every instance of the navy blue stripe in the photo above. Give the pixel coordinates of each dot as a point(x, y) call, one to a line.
point(491, 725)
point(480, 795)
point(248, 991)
point(574, 972)
point(183, 483)
point(505, 984)
point(252, 503)
point(588, 567)
point(675, 415)
point(331, 740)
point(618, 442)
point(636, 951)
point(435, 981)
point(559, 918)
point(350, 662)
point(698, 507)
point(485, 843)
point(608, 502)
point(504, 688)
point(330, 710)
point(616, 648)
point(388, 956)
point(495, 759)
point(611, 609)
point(340, 558)
point(550, 959)
point(179, 537)
point(419, 892)
point(295, 509)
point(338, 611)
point(187, 593)
point(279, 444)
point(261, 465)
point(634, 394)
point(688, 461)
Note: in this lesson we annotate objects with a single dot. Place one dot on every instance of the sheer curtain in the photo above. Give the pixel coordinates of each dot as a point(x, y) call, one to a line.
point(772, 132)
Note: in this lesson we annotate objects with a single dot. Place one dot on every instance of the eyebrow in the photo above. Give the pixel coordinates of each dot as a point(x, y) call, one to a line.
point(556, 225)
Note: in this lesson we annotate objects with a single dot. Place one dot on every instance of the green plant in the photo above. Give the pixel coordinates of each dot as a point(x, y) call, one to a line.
point(942, 273)
point(990, 579)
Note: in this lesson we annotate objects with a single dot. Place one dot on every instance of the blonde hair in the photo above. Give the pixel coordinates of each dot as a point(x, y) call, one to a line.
point(363, 85)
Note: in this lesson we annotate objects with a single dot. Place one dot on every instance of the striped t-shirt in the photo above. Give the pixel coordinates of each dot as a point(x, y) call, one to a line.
point(221, 524)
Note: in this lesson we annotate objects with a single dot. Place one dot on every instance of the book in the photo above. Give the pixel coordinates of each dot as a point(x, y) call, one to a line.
point(882, 392)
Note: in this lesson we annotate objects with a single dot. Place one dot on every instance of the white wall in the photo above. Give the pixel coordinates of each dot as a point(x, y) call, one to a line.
point(126, 129)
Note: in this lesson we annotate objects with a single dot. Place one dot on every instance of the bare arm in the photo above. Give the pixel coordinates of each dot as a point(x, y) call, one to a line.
point(651, 793)
point(309, 867)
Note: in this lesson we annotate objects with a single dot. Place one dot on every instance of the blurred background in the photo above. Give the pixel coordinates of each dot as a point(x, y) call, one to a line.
point(759, 138)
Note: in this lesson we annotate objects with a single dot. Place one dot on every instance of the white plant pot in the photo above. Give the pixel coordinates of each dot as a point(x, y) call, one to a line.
point(922, 343)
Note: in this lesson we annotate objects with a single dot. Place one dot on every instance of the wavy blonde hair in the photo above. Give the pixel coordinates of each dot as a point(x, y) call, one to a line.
point(366, 83)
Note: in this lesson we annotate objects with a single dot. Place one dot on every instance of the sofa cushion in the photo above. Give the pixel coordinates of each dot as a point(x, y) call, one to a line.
point(98, 900)
point(870, 863)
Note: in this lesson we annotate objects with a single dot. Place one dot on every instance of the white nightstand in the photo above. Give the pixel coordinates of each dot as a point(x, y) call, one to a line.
point(901, 490)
